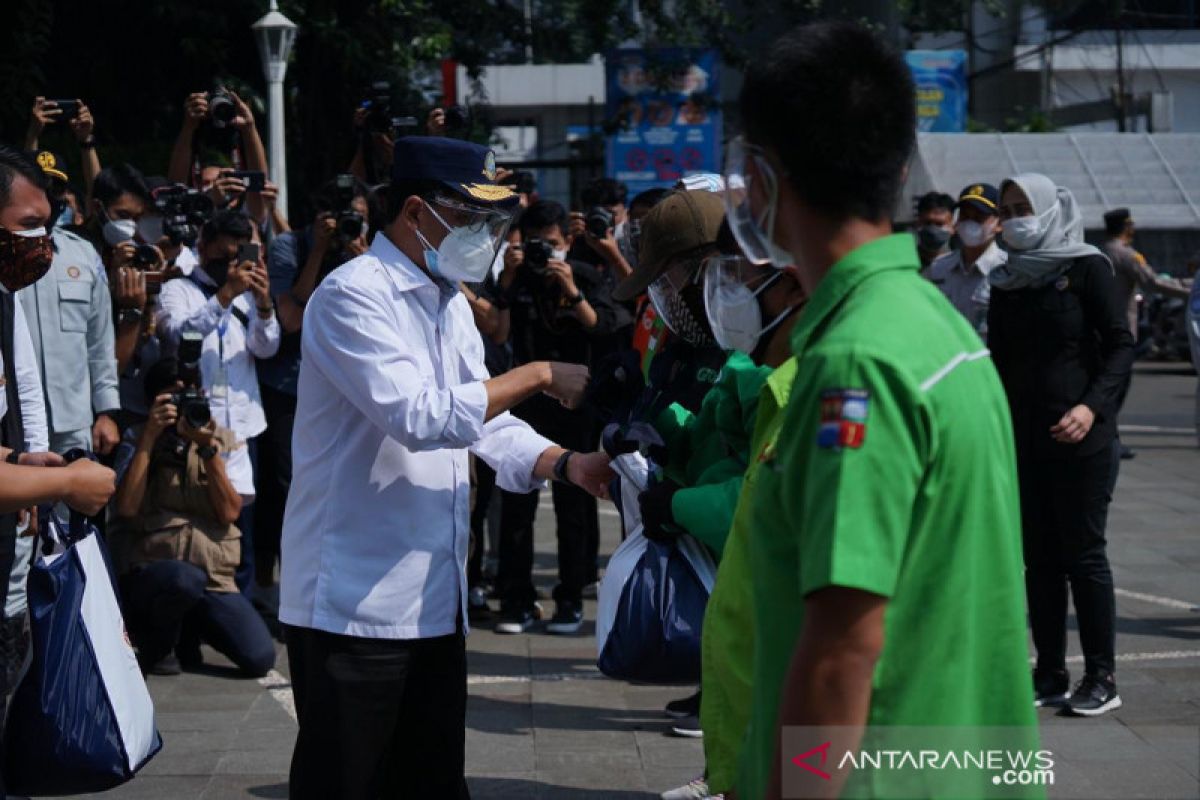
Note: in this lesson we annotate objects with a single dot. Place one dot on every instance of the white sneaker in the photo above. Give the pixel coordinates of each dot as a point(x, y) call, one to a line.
point(695, 789)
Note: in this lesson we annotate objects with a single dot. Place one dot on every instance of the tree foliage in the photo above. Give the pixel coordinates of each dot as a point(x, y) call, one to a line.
point(134, 62)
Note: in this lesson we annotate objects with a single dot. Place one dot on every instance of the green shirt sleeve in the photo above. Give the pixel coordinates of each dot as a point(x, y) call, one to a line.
point(706, 510)
point(855, 455)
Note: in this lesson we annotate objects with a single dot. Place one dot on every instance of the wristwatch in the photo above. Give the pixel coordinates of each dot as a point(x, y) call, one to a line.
point(207, 452)
point(560, 468)
point(128, 315)
point(88, 143)
point(576, 300)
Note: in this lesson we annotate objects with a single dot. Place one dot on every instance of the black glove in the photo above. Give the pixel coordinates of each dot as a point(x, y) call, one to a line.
point(658, 522)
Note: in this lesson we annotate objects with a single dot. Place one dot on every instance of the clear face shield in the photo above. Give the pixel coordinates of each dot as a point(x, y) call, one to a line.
point(750, 182)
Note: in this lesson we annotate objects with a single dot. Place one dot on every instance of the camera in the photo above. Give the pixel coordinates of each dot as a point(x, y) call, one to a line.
point(184, 211)
point(350, 223)
point(458, 120)
point(522, 182)
point(191, 402)
point(221, 110)
point(144, 255)
point(598, 220)
point(379, 112)
point(537, 255)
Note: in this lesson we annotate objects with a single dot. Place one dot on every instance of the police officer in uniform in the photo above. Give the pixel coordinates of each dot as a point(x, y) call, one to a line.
point(69, 313)
point(393, 394)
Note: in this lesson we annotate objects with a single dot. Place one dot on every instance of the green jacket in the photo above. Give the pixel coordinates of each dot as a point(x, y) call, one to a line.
point(727, 641)
point(709, 450)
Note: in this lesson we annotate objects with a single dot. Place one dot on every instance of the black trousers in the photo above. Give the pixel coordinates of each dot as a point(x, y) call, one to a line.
point(575, 511)
point(379, 718)
point(273, 477)
point(167, 599)
point(1064, 509)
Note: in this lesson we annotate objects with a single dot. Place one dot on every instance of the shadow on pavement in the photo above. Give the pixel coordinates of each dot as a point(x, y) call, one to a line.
point(498, 715)
point(1186, 628)
point(487, 788)
point(271, 790)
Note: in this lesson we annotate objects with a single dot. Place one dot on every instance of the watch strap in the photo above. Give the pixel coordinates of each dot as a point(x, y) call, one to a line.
point(560, 467)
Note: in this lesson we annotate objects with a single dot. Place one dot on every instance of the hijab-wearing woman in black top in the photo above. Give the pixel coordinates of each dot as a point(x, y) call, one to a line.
point(1064, 352)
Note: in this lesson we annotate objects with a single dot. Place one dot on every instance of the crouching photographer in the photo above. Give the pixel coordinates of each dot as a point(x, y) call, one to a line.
point(177, 505)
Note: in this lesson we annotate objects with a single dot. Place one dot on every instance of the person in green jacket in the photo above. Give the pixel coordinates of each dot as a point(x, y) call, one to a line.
point(888, 595)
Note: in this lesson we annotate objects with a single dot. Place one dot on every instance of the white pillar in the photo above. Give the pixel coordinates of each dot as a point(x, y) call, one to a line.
point(277, 152)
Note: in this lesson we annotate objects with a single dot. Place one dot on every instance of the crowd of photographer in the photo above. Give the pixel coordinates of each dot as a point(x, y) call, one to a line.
point(167, 338)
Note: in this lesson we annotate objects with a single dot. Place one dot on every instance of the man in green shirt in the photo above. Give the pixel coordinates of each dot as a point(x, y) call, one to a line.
point(886, 536)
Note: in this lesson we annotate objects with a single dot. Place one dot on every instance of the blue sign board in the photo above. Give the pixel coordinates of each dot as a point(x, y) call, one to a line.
point(941, 80)
point(664, 115)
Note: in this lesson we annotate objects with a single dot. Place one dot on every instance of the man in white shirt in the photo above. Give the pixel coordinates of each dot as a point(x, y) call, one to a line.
point(962, 274)
point(393, 395)
point(227, 300)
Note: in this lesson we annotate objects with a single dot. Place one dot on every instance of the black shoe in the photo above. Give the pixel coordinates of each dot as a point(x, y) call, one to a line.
point(1093, 696)
point(684, 707)
point(1127, 453)
point(513, 622)
point(1051, 687)
point(567, 619)
point(688, 727)
point(167, 665)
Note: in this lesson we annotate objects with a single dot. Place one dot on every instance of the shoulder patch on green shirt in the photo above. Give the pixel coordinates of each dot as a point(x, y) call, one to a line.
point(843, 418)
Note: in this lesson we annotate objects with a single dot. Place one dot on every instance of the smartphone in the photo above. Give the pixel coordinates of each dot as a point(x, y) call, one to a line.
point(253, 180)
point(248, 251)
point(69, 108)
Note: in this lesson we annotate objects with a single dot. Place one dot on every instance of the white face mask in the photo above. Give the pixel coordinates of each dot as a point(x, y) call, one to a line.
point(974, 234)
point(558, 255)
point(464, 255)
point(117, 231)
point(732, 307)
point(1022, 233)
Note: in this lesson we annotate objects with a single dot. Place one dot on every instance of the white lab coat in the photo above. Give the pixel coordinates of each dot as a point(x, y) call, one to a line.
point(390, 401)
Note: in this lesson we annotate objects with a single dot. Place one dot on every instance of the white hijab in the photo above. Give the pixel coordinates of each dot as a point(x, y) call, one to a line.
point(1061, 241)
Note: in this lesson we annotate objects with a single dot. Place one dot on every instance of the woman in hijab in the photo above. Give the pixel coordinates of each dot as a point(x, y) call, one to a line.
point(1064, 351)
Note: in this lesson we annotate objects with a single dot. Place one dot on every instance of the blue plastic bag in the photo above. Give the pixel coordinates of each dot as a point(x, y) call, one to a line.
point(652, 598)
point(81, 720)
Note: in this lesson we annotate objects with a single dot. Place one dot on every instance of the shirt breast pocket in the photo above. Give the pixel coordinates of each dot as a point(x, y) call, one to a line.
point(74, 305)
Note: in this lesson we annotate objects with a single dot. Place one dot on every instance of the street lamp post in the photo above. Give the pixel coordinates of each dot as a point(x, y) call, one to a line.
point(275, 34)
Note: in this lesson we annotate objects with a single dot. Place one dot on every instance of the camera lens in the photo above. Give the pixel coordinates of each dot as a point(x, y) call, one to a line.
point(221, 110)
point(196, 412)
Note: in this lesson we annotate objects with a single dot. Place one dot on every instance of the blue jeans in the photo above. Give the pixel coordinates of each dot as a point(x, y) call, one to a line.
point(161, 597)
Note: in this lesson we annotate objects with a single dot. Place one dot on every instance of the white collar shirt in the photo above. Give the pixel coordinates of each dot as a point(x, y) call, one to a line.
point(227, 363)
point(966, 287)
point(391, 400)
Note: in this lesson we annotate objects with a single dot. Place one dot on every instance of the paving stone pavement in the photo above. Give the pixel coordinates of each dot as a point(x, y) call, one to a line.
point(542, 724)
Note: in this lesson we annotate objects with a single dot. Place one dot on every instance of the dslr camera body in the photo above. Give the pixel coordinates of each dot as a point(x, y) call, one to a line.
point(221, 109)
point(379, 112)
point(350, 223)
point(184, 212)
point(190, 400)
point(598, 221)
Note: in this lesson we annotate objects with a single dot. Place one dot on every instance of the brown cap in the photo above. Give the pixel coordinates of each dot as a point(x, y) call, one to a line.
point(682, 223)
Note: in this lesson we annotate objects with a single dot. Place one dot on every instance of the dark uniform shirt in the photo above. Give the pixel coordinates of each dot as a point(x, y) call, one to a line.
point(1058, 346)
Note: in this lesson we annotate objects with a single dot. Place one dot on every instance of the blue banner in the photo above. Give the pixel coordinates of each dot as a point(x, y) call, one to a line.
point(941, 81)
point(663, 114)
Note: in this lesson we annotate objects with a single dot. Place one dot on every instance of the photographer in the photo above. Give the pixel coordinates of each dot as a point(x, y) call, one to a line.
point(69, 313)
point(227, 300)
point(222, 119)
point(120, 199)
point(298, 261)
point(178, 499)
point(79, 118)
point(559, 311)
point(595, 231)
